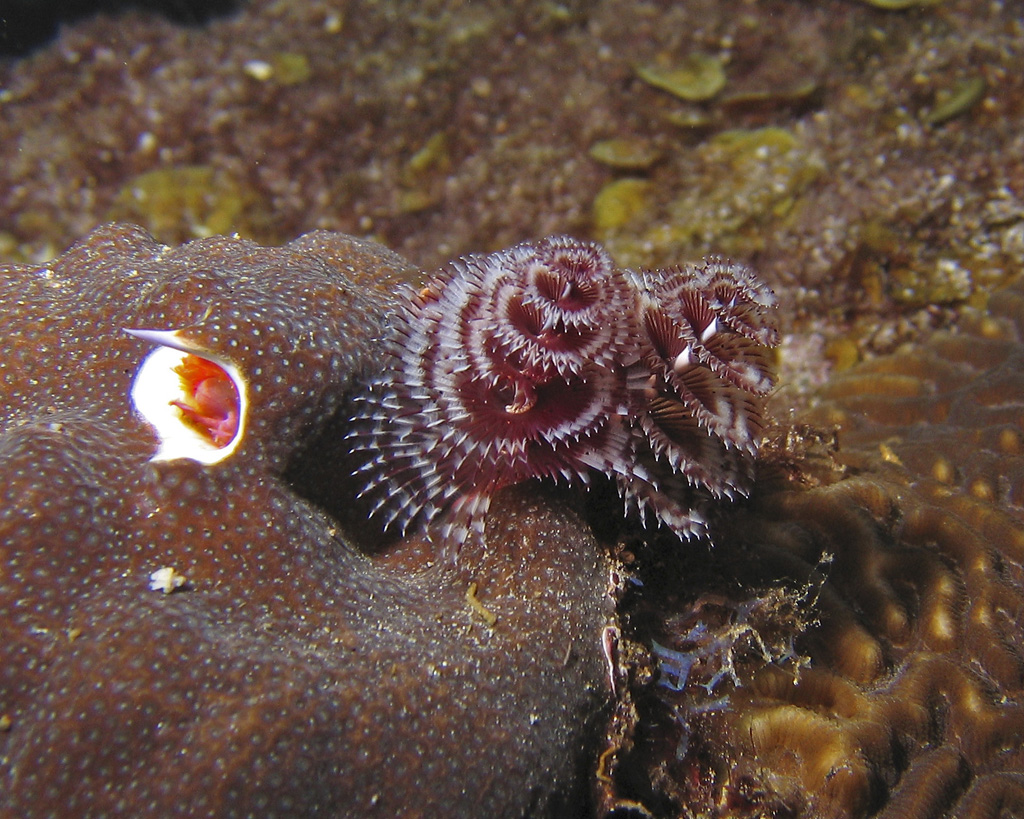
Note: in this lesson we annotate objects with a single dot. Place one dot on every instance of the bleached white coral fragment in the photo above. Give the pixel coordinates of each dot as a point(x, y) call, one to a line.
point(166, 580)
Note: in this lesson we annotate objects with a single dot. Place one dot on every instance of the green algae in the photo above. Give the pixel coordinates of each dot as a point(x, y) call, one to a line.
point(750, 182)
point(794, 95)
point(690, 119)
point(290, 68)
point(286, 68)
point(697, 78)
point(946, 281)
point(958, 100)
point(188, 201)
point(900, 5)
point(421, 172)
point(621, 203)
point(432, 156)
point(625, 153)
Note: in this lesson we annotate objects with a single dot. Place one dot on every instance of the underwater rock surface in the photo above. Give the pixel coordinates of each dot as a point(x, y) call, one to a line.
point(185, 637)
point(866, 162)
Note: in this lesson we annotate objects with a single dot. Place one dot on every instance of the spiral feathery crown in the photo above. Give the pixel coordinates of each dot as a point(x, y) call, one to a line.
point(545, 360)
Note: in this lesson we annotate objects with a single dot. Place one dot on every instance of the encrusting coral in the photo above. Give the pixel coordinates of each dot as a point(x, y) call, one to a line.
point(184, 633)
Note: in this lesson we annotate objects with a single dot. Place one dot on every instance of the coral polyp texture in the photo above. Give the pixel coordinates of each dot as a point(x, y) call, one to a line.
point(184, 632)
point(868, 604)
point(547, 361)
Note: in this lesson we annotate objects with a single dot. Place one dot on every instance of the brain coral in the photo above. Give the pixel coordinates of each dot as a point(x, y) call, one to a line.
point(854, 645)
point(184, 633)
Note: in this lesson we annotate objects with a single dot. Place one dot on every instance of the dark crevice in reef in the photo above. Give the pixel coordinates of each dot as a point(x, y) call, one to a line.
point(26, 25)
point(324, 473)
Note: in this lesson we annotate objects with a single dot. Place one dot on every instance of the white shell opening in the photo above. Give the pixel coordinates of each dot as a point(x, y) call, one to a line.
point(157, 386)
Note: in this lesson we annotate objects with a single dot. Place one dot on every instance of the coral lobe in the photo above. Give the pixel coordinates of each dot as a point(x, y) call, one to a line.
point(290, 674)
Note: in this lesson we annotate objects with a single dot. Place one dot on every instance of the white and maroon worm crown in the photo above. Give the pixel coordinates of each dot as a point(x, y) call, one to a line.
point(545, 360)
